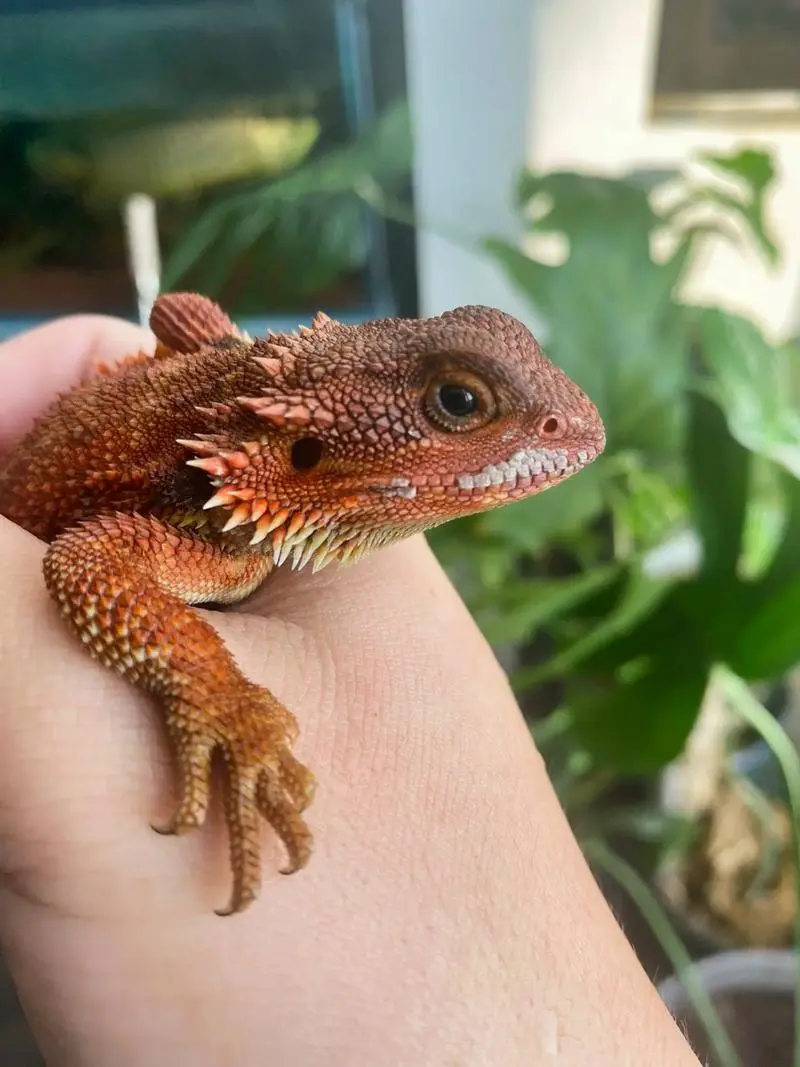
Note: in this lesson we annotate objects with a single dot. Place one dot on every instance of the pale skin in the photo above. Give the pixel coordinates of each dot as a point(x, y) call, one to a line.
point(447, 918)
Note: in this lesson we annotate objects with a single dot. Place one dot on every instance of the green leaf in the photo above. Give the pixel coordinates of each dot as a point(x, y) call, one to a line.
point(768, 642)
point(317, 202)
point(646, 505)
point(785, 564)
point(580, 204)
point(610, 319)
point(640, 727)
point(751, 164)
point(641, 598)
point(530, 605)
point(530, 523)
point(757, 385)
point(703, 616)
point(717, 466)
point(750, 214)
point(755, 171)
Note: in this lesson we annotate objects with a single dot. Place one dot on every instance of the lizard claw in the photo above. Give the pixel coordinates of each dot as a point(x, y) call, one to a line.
point(252, 732)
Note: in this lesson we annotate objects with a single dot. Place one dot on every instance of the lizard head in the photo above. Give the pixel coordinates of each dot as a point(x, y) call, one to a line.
point(355, 436)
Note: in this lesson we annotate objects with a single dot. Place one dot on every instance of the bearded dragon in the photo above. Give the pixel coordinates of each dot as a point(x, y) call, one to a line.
point(187, 476)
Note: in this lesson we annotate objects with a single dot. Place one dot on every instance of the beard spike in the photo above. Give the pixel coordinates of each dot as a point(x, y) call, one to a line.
point(239, 515)
point(212, 465)
point(295, 535)
point(265, 525)
point(222, 498)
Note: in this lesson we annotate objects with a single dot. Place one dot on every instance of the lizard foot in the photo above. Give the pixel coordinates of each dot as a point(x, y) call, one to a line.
point(124, 584)
point(252, 732)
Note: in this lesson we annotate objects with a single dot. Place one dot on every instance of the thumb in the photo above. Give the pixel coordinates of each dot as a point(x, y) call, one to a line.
point(38, 365)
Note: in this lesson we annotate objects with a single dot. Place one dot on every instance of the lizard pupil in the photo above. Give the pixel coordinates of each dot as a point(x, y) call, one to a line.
point(457, 401)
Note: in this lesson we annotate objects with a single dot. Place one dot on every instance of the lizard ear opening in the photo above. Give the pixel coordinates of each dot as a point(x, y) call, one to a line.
point(306, 453)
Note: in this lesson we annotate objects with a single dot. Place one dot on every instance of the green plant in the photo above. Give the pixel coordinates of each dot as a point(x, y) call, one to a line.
point(703, 439)
point(756, 715)
point(702, 411)
point(310, 223)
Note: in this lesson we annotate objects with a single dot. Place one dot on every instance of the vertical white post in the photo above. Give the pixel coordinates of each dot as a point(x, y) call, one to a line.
point(469, 67)
point(140, 216)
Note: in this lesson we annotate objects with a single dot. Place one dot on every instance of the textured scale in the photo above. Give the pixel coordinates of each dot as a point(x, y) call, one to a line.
point(187, 477)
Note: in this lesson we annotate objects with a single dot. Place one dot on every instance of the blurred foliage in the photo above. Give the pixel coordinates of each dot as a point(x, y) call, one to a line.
point(703, 426)
point(312, 221)
point(257, 209)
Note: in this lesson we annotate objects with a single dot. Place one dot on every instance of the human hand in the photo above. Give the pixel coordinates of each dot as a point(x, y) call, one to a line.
point(446, 915)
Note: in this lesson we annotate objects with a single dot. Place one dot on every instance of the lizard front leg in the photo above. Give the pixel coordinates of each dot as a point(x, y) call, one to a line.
point(123, 583)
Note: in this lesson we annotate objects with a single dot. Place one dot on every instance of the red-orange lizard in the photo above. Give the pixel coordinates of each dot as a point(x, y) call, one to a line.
point(187, 477)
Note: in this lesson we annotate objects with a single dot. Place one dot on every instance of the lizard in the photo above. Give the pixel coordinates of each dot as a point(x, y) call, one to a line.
point(185, 476)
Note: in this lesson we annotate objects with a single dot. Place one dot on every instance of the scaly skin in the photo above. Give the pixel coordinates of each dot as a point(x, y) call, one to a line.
point(186, 477)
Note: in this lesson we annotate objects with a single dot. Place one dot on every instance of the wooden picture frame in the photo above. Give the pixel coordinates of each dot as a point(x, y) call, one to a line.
point(727, 60)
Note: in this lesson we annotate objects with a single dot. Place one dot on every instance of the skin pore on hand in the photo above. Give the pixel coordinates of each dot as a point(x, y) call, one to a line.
point(447, 915)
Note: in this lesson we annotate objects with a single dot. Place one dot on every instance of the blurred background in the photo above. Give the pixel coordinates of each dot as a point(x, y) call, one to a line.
point(624, 177)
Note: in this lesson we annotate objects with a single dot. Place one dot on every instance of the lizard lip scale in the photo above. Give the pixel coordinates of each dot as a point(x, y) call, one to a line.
point(527, 467)
point(513, 477)
point(188, 476)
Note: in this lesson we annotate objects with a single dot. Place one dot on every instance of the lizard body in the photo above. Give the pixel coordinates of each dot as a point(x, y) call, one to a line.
point(187, 477)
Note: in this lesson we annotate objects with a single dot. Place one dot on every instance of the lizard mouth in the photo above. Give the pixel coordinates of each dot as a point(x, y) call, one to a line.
point(515, 476)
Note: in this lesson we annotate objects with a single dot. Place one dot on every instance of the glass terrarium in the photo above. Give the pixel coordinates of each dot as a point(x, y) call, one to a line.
point(249, 149)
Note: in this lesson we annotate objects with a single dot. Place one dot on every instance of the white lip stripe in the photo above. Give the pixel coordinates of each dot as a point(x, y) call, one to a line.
point(527, 463)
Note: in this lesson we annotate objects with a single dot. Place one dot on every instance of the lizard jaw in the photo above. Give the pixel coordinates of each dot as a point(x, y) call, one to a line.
point(524, 470)
point(527, 468)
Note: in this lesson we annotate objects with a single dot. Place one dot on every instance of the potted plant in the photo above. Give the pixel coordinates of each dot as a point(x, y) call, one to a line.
point(669, 572)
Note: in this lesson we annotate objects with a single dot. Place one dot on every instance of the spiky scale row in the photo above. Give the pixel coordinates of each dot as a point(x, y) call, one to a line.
point(290, 527)
point(286, 413)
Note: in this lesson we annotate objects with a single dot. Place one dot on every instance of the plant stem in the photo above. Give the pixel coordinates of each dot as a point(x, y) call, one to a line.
point(773, 734)
point(637, 889)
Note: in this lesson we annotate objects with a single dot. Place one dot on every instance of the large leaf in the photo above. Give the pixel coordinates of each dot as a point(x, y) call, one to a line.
point(755, 170)
point(646, 504)
point(527, 605)
point(769, 642)
point(753, 165)
point(717, 466)
point(578, 205)
point(611, 321)
point(638, 727)
point(640, 598)
point(657, 621)
point(785, 564)
point(757, 385)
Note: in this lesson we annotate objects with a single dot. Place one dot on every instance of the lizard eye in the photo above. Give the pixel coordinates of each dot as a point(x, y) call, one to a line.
point(459, 403)
point(457, 400)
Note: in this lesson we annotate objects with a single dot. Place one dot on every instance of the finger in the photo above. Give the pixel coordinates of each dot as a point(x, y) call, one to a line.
point(38, 365)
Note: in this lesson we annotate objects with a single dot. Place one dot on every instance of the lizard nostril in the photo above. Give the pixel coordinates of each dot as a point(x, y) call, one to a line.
point(306, 453)
point(552, 426)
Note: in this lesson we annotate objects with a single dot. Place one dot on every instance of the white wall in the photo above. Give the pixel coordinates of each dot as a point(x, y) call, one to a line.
point(562, 83)
point(469, 67)
point(592, 72)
